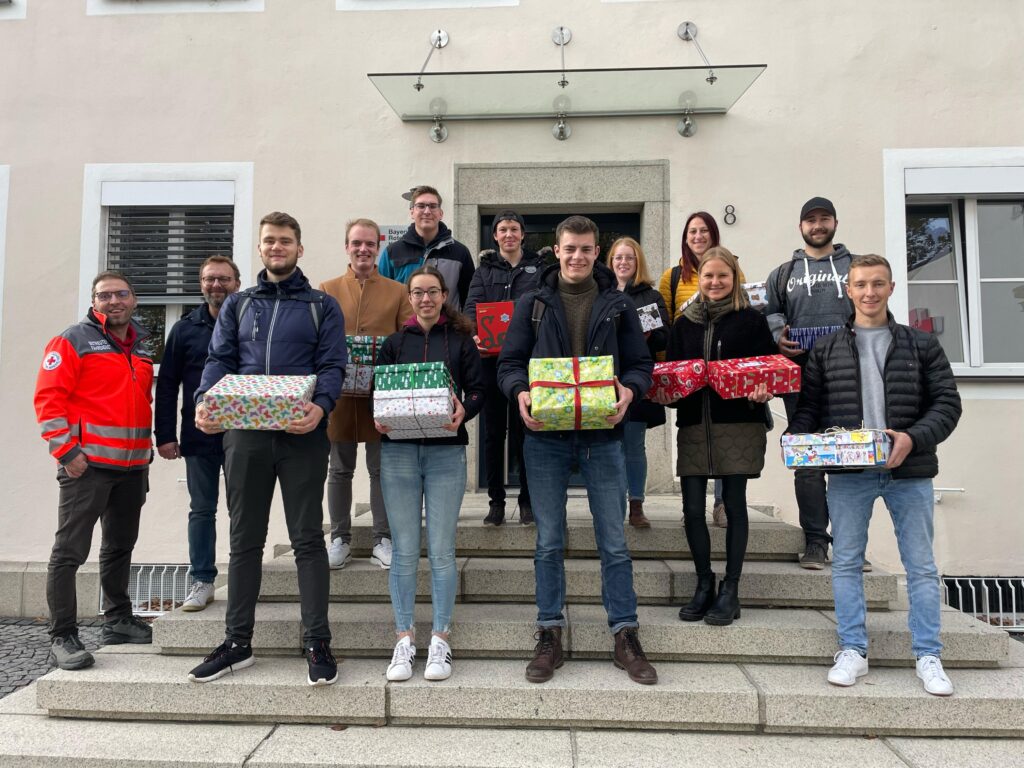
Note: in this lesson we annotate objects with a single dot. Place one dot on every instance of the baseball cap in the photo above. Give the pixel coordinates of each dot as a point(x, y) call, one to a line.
point(817, 204)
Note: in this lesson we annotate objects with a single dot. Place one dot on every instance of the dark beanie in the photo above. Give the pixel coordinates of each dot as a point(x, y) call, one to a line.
point(507, 215)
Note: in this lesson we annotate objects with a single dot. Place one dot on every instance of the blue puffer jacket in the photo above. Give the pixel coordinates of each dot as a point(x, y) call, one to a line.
point(182, 366)
point(277, 334)
point(614, 330)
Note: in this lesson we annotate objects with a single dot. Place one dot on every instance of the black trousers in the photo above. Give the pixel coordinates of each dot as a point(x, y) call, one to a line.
point(254, 462)
point(501, 418)
point(115, 499)
point(811, 499)
point(734, 496)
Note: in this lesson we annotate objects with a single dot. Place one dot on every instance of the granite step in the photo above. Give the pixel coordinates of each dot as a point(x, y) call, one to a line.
point(505, 630)
point(657, 582)
point(690, 696)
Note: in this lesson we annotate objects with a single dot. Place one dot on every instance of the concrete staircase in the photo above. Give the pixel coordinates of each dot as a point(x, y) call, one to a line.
point(753, 693)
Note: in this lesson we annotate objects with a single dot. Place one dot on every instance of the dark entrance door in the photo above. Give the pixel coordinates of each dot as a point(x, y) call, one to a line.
point(540, 233)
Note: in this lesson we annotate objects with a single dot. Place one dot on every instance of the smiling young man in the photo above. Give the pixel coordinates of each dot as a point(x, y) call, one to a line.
point(429, 241)
point(92, 402)
point(280, 327)
point(880, 374)
point(808, 291)
point(576, 311)
point(376, 306)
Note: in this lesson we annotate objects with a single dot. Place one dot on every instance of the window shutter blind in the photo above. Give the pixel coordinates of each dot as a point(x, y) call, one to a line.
point(160, 248)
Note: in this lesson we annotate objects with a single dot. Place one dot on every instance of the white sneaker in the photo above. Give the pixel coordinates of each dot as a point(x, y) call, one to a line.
point(338, 554)
point(381, 554)
point(929, 669)
point(849, 665)
point(200, 596)
point(439, 660)
point(402, 660)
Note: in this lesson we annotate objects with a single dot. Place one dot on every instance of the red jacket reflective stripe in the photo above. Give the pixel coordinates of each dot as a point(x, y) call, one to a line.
point(92, 398)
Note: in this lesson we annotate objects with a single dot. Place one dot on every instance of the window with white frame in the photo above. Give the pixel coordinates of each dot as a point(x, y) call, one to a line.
point(417, 5)
point(960, 266)
point(124, 7)
point(13, 10)
point(157, 224)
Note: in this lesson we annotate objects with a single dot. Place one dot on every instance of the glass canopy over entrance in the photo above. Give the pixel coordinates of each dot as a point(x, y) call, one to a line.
point(565, 93)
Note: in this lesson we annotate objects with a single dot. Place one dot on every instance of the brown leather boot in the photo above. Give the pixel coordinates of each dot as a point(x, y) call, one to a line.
point(630, 657)
point(637, 518)
point(547, 655)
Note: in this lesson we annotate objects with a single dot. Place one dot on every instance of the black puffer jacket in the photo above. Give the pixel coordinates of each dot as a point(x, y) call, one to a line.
point(454, 349)
point(614, 330)
point(496, 280)
point(920, 392)
point(643, 294)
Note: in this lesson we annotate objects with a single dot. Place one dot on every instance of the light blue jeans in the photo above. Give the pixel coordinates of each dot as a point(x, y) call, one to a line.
point(410, 474)
point(634, 442)
point(911, 504)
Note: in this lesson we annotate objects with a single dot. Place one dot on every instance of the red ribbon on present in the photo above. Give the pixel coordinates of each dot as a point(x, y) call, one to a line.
point(578, 405)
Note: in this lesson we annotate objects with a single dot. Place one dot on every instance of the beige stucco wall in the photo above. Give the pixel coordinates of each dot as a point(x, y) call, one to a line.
point(286, 90)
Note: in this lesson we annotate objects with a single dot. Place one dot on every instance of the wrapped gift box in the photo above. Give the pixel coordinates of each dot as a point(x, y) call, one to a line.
point(362, 350)
point(414, 399)
point(737, 377)
point(259, 402)
point(855, 448)
point(572, 392)
point(650, 317)
point(358, 380)
point(757, 293)
point(492, 319)
point(362, 355)
point(678, 378)
point(806, 337)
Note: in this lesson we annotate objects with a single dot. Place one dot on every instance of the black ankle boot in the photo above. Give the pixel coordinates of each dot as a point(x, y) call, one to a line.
point(703, 597)
point(726, 606)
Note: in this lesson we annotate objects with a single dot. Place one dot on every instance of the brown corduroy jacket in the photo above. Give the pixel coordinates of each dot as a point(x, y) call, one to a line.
point(378, 307)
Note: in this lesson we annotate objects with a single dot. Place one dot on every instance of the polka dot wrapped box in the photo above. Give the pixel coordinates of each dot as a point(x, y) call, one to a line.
point(414, 399)
point(259, 402)
point(362, 355)
point(737, 377)
point(572, 393)
point(854, 448)
point(678, 378)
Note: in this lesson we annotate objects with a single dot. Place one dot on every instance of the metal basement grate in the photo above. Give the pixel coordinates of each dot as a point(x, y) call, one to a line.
point(156, 588)
point(996, 600)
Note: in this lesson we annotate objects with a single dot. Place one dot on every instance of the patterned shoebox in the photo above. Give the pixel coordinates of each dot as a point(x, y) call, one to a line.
point(737, 377)
point(259, 402)
point(572, 392)
point(678, 378)
point(757, 293)
point(414, 399)
point(650, 317)
point(362, 355)
point(856, 448)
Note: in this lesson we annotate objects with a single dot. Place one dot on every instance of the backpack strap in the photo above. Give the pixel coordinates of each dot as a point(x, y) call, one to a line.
point(536, 315)
point(677, 273)
point(780, 287)
point(315, 301)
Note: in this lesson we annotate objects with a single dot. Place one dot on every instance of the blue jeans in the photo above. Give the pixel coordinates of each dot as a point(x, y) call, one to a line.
point(549, 462)
point(634, 443)
point(910, 503)
point(410, 474)
point(202, 474)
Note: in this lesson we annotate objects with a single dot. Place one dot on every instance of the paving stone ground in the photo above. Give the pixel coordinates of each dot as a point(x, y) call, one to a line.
point(25, 649)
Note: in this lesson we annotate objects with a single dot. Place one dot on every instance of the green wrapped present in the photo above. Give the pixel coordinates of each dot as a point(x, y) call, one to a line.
point(362, 350)
point(572, 392)
point(414, 399)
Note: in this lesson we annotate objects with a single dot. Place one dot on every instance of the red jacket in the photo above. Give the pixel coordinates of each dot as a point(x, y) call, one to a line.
point(92, 398)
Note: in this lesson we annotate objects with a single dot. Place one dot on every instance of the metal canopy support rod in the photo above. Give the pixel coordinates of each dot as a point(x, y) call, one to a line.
point(438, 39)
point(688, 31)
point(561, 36)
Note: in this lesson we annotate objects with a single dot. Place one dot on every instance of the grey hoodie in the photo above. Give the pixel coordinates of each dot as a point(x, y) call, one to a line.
point(813, 295)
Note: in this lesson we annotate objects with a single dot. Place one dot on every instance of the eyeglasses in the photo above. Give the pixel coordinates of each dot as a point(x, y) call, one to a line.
point(216, 280)
point(426, 206)
point(433, 293)
point(108, 295)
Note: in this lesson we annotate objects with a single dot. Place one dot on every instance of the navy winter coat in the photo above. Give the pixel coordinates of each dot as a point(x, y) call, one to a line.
point(182, 366)
point(614, 330)
point(278, 335)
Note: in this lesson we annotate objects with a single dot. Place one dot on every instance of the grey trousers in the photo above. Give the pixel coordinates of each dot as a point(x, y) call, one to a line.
point(339, 491)
point(253, 463)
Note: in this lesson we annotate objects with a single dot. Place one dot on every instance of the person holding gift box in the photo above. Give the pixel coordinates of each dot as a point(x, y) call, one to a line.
point(505, 275)
point(577, 312)
point(880, 374)
point(372, 306)
point(718, 438)
point(281, 327)
point(428, 473)
point(808, 291)
point(626, 259)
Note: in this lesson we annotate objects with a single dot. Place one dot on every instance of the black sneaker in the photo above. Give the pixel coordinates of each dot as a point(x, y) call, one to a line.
point(68, 653)
point(495, 514)
point(226, 657)
point(131, 629)
point(526, 514)
point(323, 669)
point(815, 556)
